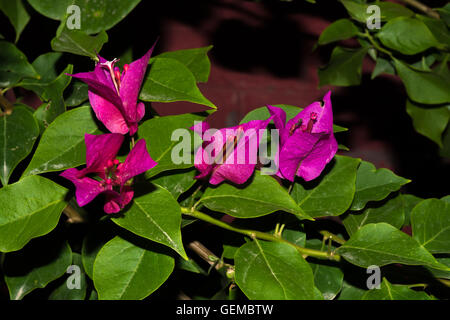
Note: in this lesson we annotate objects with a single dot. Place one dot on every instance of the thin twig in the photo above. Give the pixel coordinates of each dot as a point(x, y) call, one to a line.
point(425, 9)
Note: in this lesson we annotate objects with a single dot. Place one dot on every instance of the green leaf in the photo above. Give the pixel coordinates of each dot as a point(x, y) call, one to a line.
point(16, 13)
point(190, 265)
point(78, 93)
point(430, 122)
point(260, 196)
point(63, 292)
point(320, 197)
point(78, 42)
point(291, 111)
point(350, 292)
point(170, 80)
point(391, 212)
point(344, 67)
point(390, 10)
point(390, 291)
point(374, 184)
point(382, 66)
point(407, 35)
point(273, 271)
point(39, 263)
point(95, 16)
point(62, 144)
point(409, 202)
point(125, 271)
point(18, 132)
point(440, 273)
point(158, 132)
point(357, 10)
point(339, 30)
point(382, 244)
point(295, 237)
point(430, 221)
point(423, 87)
point(196, 60)
point(328, 277)
point(53, 95)
point(45, 66)
point(29, 208)
point(176, 182)
point(444, 12)
point(154, 215)
point(438, 29)
point(14, 66)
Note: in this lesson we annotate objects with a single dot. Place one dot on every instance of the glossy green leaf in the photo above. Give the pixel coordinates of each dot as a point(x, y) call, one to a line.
point(438, 29)
point(45, 66)
point(423, 87)
point(409, 202)
point(382, 244)
point(189, 265)
point(261, 195)
point(125, 271)
point(39, 263)
point(357, 10)
point(344, 67)
point(14, 66)
point(374, 184)
point(350, 292)
point(390, 291)
point(158, 133)
point(62, 144)
point(391, 10)
point(95, 16)
point(328, 277)
point(320, 197)
point(18, 132)
point(176, 182)
point(16, 13)
point(430, 122)
point(440, 273)
point(170, 80)
point(273, 271)
point(392, 212)
point(154, 215)
point(407, 35)
point(382, 66)
point(78, 93)
point(295, 237)
point(29, 208)
point(339, 30)
point(430, 221)
point(78, 42)
point(53, 95)
point(196, 60)
point(63, 292)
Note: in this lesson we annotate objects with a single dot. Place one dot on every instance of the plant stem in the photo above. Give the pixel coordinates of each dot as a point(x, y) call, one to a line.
point(259, 235)
point(425, 9)
point(329, 235)
point(73, 215)
point(375, 44)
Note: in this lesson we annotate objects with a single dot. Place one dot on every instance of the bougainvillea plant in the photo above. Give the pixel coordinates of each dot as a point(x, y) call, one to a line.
point(102, 198)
